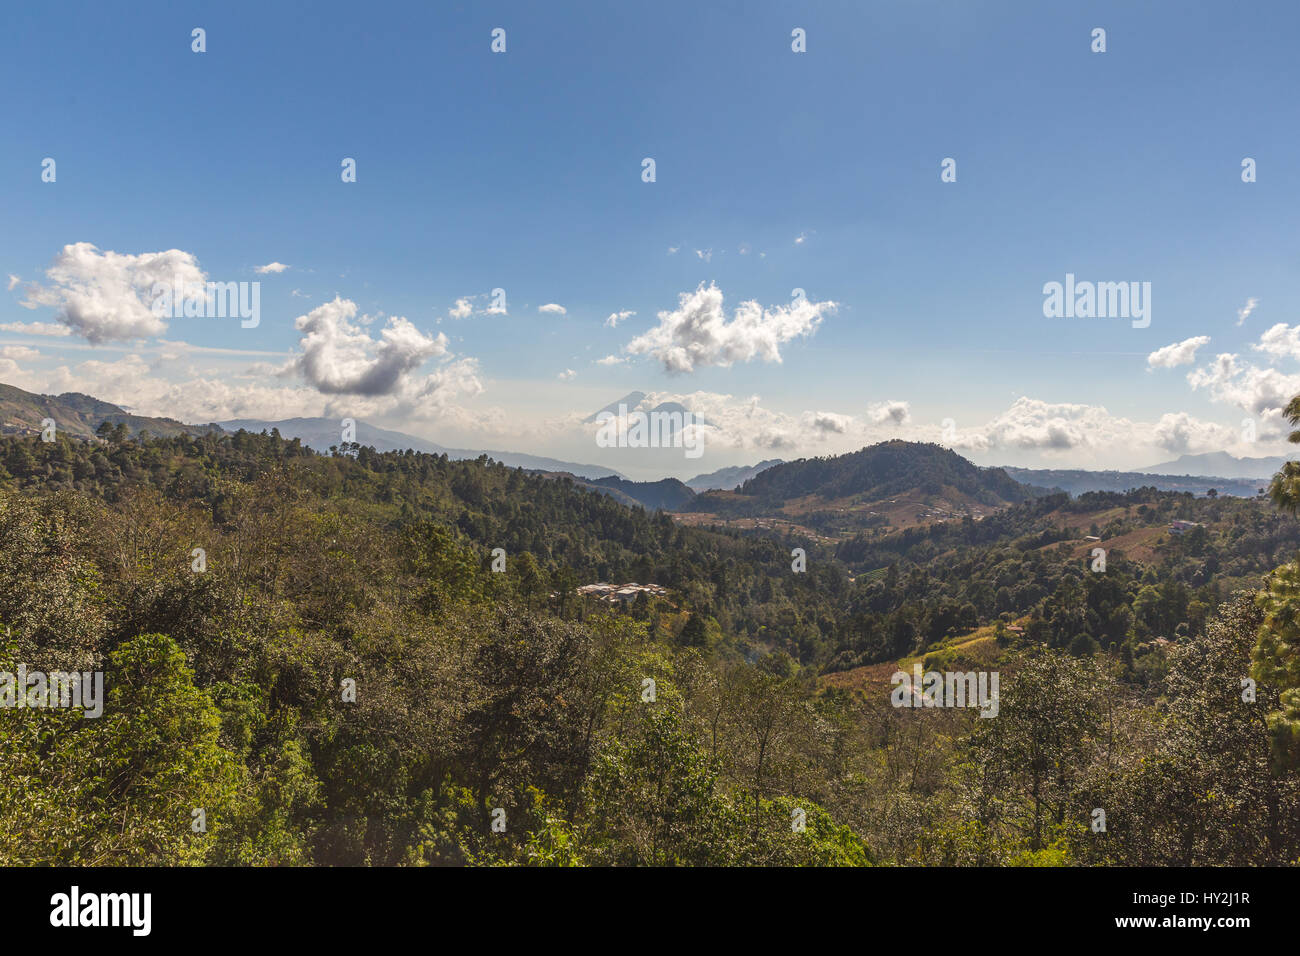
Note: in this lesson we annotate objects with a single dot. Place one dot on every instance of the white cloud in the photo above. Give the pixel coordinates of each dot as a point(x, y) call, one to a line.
point(616, 317)
point(697, 333)
point(15, 352)
point(567, 375)
point(465, 306)
point(13, 281)
point(705, 254)
point(35, 328)
point(1180, 433)
point(672, 250)
point(801, 239)
point(270, 267)
point(106, 296)
point(899, 413)
point(338, 357)
point(610, 360)
point(828, 422)
point(1180, 353)
point(553, 309)
point(1032, 424)
point(1258, 391)
point(1280, 341)
point(1244, 312)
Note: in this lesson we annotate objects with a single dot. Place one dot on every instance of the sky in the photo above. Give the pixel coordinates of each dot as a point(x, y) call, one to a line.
point(838, 246)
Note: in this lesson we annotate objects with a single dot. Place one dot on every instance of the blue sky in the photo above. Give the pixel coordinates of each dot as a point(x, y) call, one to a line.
point(775, 170)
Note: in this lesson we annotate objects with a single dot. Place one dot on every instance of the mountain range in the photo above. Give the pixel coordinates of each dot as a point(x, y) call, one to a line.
point(940, 482)
point(320, 434)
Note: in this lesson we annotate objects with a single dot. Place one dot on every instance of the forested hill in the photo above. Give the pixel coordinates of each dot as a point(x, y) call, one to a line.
point(889, 468)
point(80, 415)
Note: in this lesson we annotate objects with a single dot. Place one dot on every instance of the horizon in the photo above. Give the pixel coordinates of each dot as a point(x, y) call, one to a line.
point(395, 440)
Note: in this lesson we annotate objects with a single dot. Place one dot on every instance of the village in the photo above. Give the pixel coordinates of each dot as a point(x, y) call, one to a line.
point(620, 593)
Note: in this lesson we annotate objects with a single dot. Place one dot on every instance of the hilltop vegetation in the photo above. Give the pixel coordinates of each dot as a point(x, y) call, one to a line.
point(889, 483)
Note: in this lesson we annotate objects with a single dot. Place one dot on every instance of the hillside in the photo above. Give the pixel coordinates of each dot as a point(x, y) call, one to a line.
point(80, 415)
point(668, 494)
point(482, 689)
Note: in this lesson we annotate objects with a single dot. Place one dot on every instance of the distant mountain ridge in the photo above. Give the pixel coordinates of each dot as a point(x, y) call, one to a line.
point(725, 479)
point(1218, 464)
point(1078, 481)
point(320, 434)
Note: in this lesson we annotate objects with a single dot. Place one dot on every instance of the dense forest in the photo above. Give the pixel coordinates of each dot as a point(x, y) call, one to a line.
point(368, 658)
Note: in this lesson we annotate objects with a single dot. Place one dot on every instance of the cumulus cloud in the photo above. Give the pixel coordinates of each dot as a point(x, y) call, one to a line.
point(270, 267)
point(610, 360)
point(553, 309)
point(1259, 391)
point(1061, 429)
point(899, 413)
point(1280, 341)
point(467, 305)
point(15, 352)
point(107, 296)
point(1179, 353)
point(828, 422)
point(1034, 425)
point(567, 374)
point(616, 317)
point(1179, 433)
point(1244, 312)
point(697, 333)
point(338, 357)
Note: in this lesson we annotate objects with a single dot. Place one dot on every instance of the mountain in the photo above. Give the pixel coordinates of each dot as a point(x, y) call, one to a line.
point(669, 494)
point(80, 415)
point(1078, 482)
point(630, 400)
point(728, 478)
point(1217, 464)
point(878, 471)
point(676, 414)
point(894, 483)
point(322, 433)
